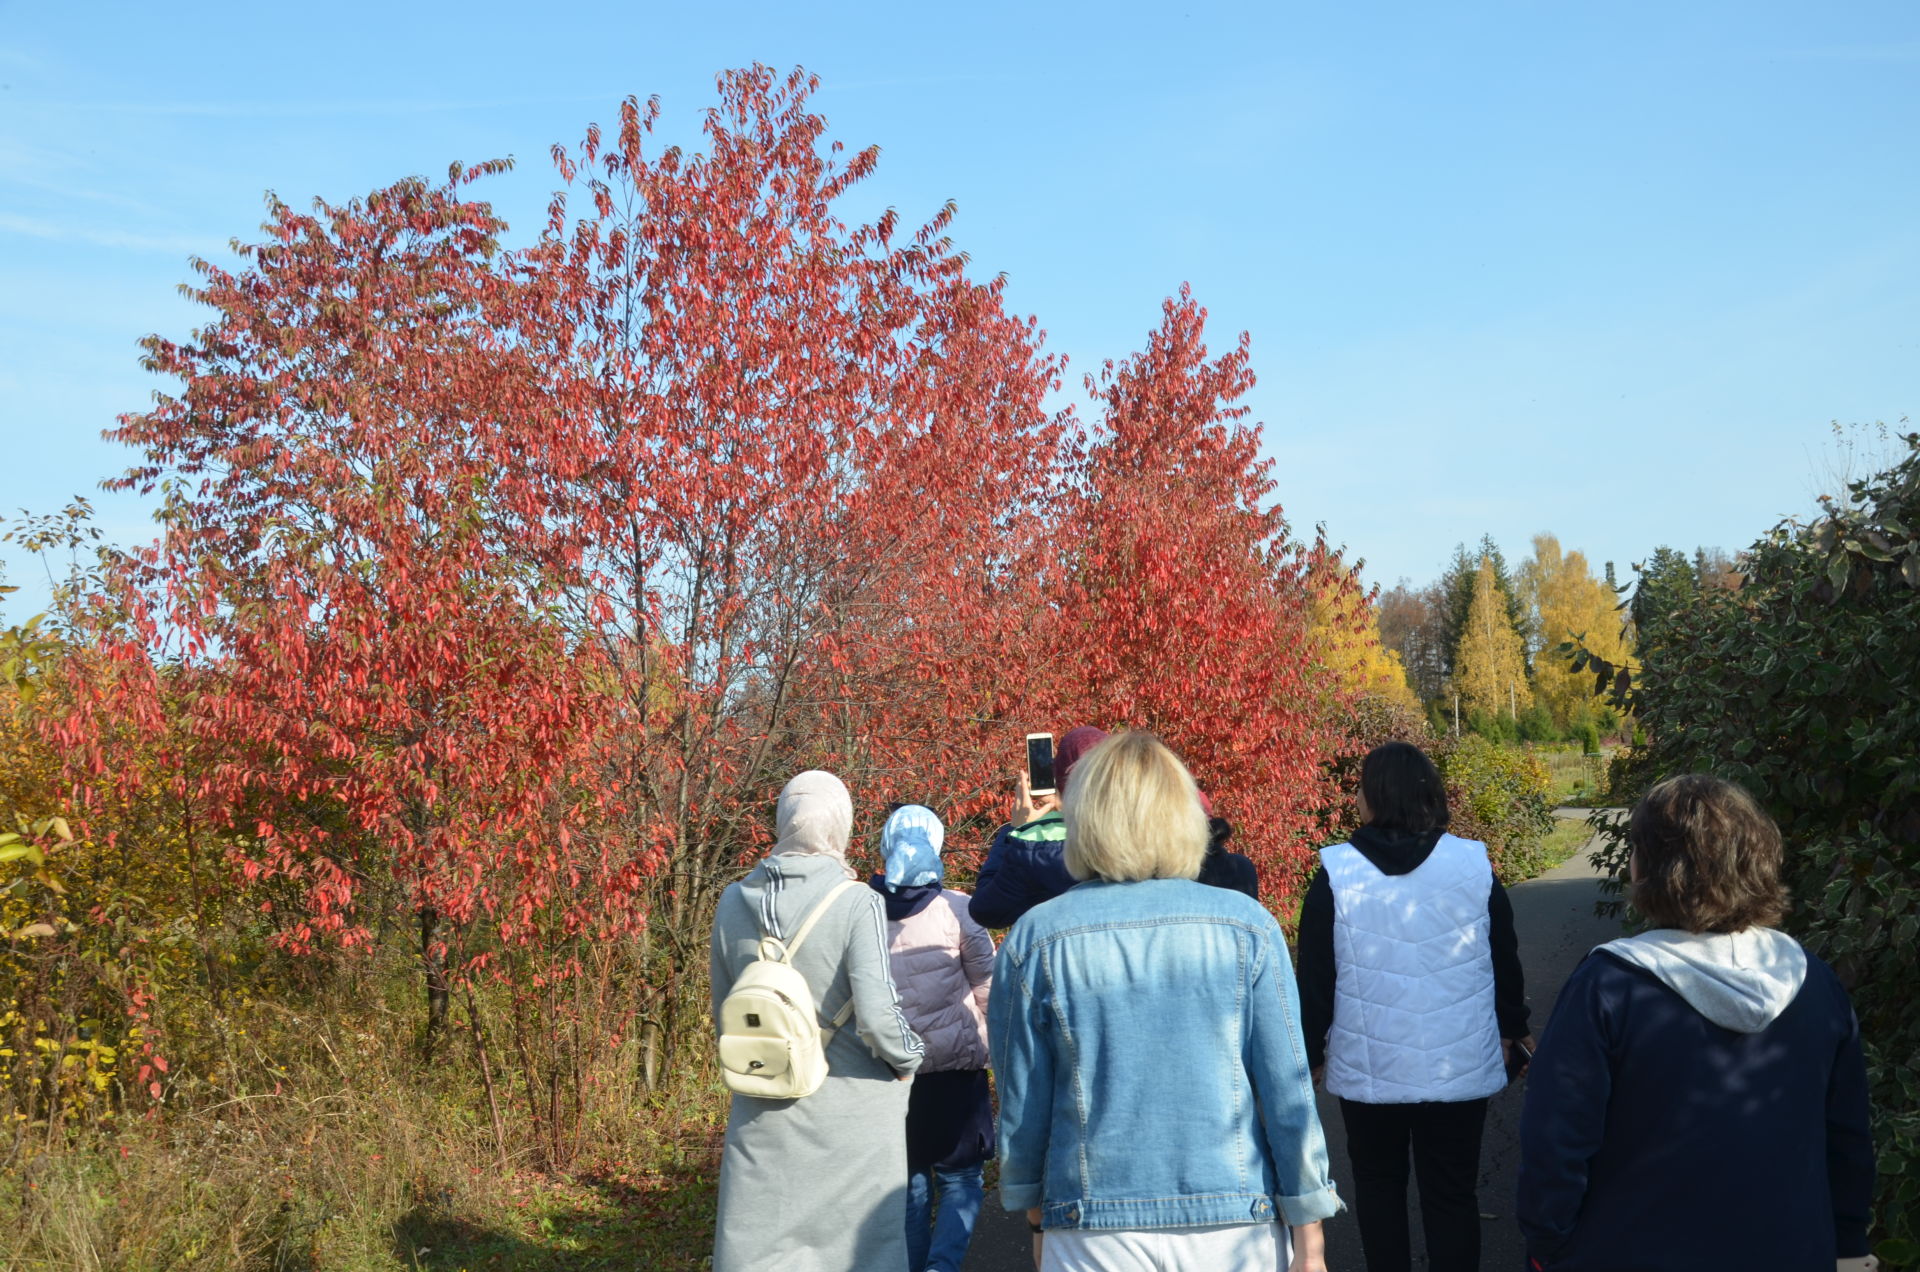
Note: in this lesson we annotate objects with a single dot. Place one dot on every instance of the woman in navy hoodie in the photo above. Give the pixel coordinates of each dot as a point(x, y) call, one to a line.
point(1699, 1099)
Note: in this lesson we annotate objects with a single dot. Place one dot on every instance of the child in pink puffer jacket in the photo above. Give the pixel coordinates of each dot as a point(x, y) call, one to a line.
point(942, 967)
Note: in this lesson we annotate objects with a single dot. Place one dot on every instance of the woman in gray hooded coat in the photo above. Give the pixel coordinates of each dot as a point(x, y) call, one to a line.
point(818, 1184)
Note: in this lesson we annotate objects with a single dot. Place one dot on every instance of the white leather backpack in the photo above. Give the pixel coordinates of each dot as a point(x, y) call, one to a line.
point(771, 1042)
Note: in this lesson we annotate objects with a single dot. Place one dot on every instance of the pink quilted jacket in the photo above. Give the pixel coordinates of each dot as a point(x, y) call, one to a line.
point(943, 968)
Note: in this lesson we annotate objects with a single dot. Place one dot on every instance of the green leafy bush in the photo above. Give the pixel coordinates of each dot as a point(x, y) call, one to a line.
point(1499, 796)
point(1803, 685)
point(1494, 727)
point(1536, 725)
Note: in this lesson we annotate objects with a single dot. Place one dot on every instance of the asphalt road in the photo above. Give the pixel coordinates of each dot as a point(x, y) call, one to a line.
point(1554, 918)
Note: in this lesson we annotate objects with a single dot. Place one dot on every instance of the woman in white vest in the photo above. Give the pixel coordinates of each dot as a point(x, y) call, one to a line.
point(1412, 1000)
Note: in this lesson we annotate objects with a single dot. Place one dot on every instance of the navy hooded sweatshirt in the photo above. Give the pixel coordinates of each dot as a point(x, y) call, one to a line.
point(1697, 1102)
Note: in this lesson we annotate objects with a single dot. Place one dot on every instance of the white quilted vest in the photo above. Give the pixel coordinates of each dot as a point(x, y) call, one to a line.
point(1413, 985)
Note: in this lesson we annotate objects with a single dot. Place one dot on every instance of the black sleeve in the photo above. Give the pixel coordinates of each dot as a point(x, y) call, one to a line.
point(1509, 982)
point(1563, 1116)
point(1850, 1147)
point(996, 896)
point(1314, 968)
point(1232, 871)
point(1246, 876)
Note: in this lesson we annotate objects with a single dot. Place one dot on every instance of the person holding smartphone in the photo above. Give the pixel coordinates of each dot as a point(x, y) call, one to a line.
point(1026, 863)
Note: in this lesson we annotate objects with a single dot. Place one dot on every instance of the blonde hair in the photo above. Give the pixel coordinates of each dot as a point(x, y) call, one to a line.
point(1133, 813)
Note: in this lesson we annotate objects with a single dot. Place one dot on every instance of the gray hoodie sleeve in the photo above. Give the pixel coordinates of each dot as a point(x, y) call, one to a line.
point(876, 1006)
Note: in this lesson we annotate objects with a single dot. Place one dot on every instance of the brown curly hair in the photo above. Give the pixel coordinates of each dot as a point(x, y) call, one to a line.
point(1708, 857)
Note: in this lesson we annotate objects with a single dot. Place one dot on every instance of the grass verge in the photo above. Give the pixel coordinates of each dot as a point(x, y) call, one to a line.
point(363, 1163)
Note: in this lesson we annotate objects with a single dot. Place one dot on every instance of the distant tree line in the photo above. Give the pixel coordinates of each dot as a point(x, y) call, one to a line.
point(1479, 644)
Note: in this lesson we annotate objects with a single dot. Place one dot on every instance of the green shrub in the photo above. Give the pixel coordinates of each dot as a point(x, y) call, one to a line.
point(1499, 796)
point(1494, 727)
point(1536, 725)
point(1804, 686)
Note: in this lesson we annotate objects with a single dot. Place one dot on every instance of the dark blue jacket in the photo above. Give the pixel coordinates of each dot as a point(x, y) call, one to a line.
point(1653, 1139)
point(1025, 865)
point(1223, 868)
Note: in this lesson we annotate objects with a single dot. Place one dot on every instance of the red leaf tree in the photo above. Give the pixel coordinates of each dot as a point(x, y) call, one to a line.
point(799, 434)
point(498, 591)
point(1182, 600)
point(355, 562)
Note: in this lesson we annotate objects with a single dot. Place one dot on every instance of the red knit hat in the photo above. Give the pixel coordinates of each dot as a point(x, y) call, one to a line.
point(1075, 744)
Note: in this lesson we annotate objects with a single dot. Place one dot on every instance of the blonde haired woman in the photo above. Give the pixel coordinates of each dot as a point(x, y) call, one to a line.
point(1155, 1106)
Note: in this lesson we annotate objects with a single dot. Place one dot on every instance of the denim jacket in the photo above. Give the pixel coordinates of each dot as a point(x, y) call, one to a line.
point(1152, 1070)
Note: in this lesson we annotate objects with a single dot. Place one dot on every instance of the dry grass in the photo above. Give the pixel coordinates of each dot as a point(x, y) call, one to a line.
point(359, 1162)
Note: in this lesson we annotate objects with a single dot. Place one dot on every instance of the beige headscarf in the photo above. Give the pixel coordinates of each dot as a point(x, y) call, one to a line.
point(814, 815)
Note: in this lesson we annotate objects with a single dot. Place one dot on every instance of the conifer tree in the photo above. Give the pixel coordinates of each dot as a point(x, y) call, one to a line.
point(1667, 583)
point(1457, 585)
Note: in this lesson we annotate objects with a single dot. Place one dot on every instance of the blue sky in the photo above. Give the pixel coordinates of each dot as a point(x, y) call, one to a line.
point(1600, 270)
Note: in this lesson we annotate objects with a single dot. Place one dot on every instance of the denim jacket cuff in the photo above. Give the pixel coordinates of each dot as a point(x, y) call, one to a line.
point(1310, 1207)
point(1019, 1196)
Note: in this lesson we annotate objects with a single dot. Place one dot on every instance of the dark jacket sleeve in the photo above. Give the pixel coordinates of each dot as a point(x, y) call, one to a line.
point(1315, 967)
point(1849, 1147)
point(1509, 982)
point(1246, 875)
point(1564, 1117)
point(998, 894)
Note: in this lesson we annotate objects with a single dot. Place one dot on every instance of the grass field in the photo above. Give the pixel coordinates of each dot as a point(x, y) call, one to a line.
point(1577, 779)
point(1567, 837)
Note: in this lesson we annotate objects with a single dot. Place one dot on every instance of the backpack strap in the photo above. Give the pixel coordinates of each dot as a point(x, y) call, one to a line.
point(793, 947)
point(840, 1018)
point(813, 917)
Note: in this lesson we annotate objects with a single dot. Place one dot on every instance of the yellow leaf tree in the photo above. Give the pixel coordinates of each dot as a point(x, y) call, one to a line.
point(1490, 668)
point(1567, 601)
point(1346, 623)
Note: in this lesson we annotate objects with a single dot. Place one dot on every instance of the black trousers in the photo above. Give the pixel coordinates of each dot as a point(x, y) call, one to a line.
point(1445, 1142)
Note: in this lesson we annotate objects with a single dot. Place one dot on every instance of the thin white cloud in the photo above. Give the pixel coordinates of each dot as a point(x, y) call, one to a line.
point(177, 244)
point(317, 109)
point(46, 170)
point(1894, 51)
point(29, 181)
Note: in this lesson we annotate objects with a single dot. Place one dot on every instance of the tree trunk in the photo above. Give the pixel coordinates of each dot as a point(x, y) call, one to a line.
point(434, 960)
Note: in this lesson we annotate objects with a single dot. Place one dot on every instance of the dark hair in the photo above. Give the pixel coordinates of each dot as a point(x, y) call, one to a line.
point(1403, 789)
point(1709, 857)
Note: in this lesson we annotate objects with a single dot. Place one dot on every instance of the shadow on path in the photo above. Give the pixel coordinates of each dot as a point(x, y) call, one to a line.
point(1554, 918)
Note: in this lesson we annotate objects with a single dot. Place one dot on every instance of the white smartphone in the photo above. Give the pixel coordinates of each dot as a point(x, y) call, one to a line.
point(1040, 764)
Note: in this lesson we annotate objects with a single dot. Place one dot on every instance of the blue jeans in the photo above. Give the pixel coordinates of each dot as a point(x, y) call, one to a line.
point(938, 1242)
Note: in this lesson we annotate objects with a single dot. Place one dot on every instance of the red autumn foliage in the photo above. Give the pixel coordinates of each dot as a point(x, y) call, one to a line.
point(355, 571)
point(798, 437)
point(1182, 603)
point(500, 590)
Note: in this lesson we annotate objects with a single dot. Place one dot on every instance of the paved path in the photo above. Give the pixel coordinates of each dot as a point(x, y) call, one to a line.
point(1554, 918)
